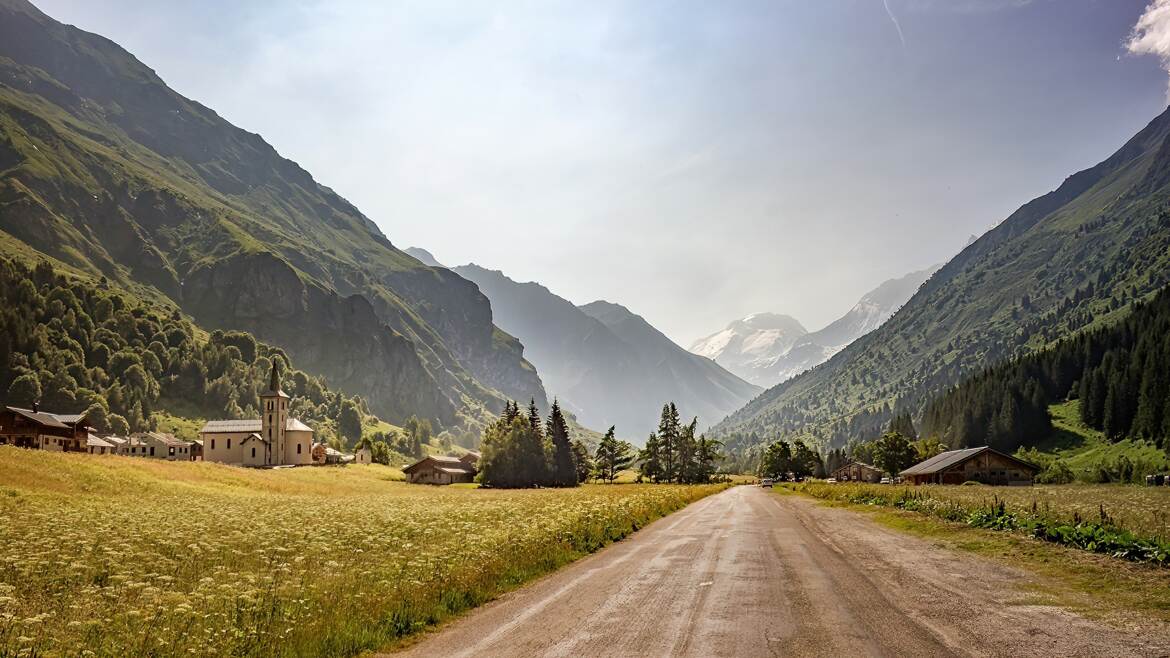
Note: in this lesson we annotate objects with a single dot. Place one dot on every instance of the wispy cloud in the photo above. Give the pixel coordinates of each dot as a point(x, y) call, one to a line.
point(1151, 34)
point(894, 20)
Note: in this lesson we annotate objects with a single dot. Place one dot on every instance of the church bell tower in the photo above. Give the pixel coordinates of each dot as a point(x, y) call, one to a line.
point(274, 418)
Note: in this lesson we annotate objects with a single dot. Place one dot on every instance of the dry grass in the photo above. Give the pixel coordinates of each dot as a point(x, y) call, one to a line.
point(120, 556)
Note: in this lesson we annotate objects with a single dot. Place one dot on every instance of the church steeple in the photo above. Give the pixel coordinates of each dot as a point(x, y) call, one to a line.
point(274, 417)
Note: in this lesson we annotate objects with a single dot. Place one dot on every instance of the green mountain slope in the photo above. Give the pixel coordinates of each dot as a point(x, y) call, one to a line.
point(1060, 263)
point(109, 171)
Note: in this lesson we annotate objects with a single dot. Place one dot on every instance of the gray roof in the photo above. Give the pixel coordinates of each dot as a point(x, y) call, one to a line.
point(945, 460)
point(97, 442)
point(162, 437)
point(45, 418)
point(857, 463)
point(444, 464)
point(231, 426)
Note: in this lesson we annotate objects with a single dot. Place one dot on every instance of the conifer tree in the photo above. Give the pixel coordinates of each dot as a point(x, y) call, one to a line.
point(668, 435)
point(614, 456)
point(564, 467)
point(583, 461)
point(650, 458)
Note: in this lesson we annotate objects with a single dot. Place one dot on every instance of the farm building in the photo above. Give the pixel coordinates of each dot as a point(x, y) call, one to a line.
point(972, 465)
point(32, 428)
point(857, 472)
point(323, 454)
point(160, 445)
point(363, 456)
point(273, 440)
point(442, 470)
point(95, 445)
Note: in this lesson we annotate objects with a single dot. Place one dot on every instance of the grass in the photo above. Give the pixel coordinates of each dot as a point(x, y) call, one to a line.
point(118, 556)
point(1086, 450)
point(1090, 584)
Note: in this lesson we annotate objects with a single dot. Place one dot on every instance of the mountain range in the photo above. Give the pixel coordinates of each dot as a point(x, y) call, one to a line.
point(767, 348)
point(1076, 257)
point(112, 175)
point(603, 362)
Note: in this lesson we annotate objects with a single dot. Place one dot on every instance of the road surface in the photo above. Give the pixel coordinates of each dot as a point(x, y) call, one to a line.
point(751, 573)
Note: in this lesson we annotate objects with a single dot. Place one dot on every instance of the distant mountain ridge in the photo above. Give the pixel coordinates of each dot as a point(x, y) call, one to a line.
point(603, 362)
point(1070, 259)
point(767, 348)
point(111, 173)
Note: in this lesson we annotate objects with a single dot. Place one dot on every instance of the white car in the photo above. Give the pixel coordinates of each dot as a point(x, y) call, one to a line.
point(766, 482)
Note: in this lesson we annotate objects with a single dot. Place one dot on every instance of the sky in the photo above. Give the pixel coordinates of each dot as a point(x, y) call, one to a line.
point(694, 161)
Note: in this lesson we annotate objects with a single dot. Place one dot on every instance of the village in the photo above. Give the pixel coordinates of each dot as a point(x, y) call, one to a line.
point(275, 440)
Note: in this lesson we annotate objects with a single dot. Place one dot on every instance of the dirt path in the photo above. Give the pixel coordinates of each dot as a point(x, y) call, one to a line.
point(749, 573)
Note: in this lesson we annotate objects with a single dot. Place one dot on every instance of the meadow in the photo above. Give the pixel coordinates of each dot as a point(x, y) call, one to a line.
point(105, 556)
point(1105, 518)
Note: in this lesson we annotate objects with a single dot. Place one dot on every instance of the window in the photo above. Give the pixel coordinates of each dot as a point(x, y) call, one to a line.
point(253, 452)
point(171, 452)
point(229, 444)
point(298, 448)
point(213, 444)
point(151, 451)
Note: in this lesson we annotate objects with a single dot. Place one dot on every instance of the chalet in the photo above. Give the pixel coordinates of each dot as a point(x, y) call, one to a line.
point(95, 445)
point(32, 428)
point(442, 470)
point(984, 465)
point(857, 472)
point(160, 445)
point(273, 440)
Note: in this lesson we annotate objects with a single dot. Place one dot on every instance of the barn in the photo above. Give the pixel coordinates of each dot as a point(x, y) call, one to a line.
point(442, 470)
point(857, 472)
point(984, 465)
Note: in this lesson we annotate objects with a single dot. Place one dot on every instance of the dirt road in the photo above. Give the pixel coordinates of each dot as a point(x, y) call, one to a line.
point(750, 573)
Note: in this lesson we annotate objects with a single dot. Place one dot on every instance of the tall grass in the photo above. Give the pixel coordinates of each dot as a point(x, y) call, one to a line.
point(115, 556)
point(1123, 521)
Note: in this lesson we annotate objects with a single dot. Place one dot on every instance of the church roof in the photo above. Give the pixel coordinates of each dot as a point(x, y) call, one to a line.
point(234, 426)
point(274, 385)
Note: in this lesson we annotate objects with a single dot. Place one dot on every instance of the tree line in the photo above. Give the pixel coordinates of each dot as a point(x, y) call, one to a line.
point(76, 346)
point(520, 449)
point(1120, 373)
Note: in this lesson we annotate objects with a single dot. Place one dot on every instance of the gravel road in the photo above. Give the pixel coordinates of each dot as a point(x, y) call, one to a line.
point(750, 573)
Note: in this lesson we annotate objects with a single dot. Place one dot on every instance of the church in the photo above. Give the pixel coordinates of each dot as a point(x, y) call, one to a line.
point(273, 440)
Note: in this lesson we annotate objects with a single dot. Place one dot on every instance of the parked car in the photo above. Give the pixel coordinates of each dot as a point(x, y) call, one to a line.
point(766, 482)
point(831, 481)
point(887, 481)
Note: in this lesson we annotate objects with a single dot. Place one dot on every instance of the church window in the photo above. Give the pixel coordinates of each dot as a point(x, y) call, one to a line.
point(298, 448)
point(253, 452)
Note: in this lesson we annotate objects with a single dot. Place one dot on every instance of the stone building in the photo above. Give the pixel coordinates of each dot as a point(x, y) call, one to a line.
point(274, 439)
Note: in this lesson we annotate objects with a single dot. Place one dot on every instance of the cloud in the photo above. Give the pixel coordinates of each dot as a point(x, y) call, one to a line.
point(894, 20)
point(1151, 34)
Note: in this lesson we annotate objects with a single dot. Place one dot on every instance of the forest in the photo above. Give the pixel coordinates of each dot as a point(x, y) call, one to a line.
point(77, 346)
point(1120, 373)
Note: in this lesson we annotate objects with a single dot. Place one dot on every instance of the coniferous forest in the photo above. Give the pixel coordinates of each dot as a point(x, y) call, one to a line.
point(1120, 373)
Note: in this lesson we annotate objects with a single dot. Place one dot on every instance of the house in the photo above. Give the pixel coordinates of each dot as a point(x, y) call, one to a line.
point(323, 454)
point(96, 445)
point(32, 428)
point(118, 444)
point(133, 446)
point(984, 465)
point(274, 439)
point(197, 450)
point(442, 470)
point(363, 456)
point(160, 445)
point(857, 472)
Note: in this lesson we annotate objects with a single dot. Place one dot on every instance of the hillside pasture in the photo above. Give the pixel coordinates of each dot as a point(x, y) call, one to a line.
point(114, 556)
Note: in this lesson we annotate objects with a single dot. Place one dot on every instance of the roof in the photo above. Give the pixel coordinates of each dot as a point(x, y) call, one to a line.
point(951, 458)
point(857, 463)
point(97, 442)
point(69, 419)
point(445, 464)
point(164, 438)
point(46, 419)
point(274, 385)
point(253, 425)
point(255, 436)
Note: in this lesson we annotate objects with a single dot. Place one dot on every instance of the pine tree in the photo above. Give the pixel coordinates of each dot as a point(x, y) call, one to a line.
point(614, 456)
point(668, 434)
point(583, 461)
point(650, 458)
point(564, 465)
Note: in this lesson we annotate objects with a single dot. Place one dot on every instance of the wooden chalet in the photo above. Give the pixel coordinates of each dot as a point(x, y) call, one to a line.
point(984, 465)
point(857, 472)
point(32, 428)
point(443, 470)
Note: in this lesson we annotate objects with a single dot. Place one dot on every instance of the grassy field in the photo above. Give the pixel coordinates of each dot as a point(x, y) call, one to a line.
point(1086, 451)
point(117, 556)
point(1143, 512)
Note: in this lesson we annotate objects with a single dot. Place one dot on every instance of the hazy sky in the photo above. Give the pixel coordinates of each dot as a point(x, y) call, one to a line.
point(695, 161)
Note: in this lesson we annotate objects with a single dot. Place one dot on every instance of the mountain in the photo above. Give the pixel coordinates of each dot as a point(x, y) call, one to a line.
point(619, 374)
point(748, 346)
point(423, 256)
point(108, 172)
point(1073, 258)
point(767, 348)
